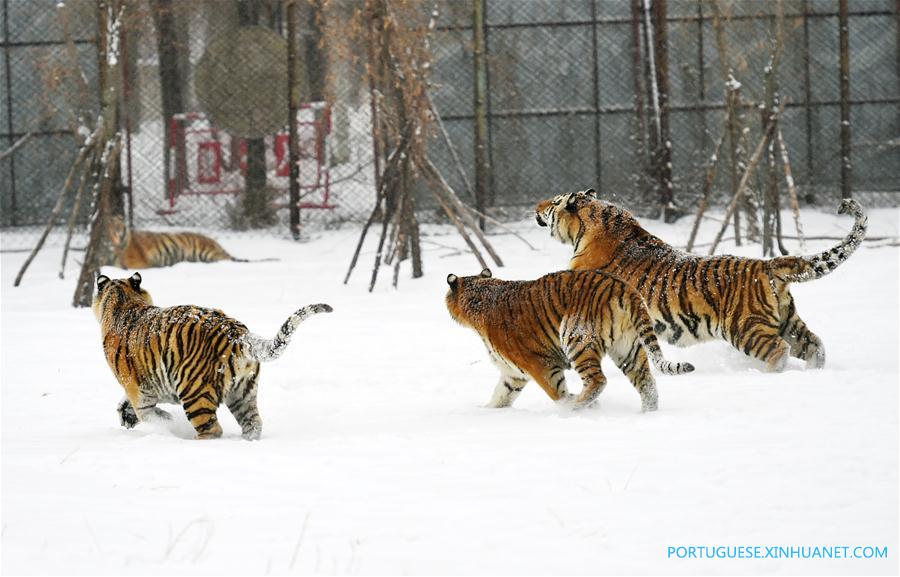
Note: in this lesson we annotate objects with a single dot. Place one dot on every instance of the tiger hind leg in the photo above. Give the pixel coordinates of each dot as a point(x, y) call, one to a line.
point(242, 404)
point(588, 368)
point(508, 388)
point(200, 409)
point(762, 341)
point(803, 342)
point(636, 366)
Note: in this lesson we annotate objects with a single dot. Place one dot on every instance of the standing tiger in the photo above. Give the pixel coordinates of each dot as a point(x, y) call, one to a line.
point(187, 355)
point(692, 298)
point(537, 329)
point(144, 249)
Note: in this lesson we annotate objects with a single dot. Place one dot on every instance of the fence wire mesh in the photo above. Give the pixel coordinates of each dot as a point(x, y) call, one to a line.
point(205, 112)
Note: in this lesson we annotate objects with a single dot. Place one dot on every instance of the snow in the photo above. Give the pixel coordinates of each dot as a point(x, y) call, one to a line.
point(378, 456)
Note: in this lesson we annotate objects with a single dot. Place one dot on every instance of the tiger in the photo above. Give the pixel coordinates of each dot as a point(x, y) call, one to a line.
point(192, 356)
point(133, 249)
point(538, 329)
point(692, 299)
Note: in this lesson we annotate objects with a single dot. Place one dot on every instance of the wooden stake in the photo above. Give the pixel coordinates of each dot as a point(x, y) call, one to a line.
point(751, 166)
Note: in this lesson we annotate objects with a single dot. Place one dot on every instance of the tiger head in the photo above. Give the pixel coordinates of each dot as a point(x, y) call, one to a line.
point(561, 213)
point(468, 295)
point(115, 292)
point(577, 216)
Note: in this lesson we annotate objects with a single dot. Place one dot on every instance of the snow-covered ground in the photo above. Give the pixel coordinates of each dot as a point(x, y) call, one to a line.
point(377, 455)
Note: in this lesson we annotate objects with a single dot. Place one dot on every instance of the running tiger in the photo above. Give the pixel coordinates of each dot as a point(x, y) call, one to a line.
point(691, 298)
point(187, 355)
point(538, 329)
point(144, 249)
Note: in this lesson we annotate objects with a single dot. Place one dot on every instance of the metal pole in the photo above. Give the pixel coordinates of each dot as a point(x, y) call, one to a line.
point(482, 161)
point(845, 98)
point(293, 105)
point(661, 47)
point(596, 78)
point(9, 116)
point(126, 110)
point(807, 90)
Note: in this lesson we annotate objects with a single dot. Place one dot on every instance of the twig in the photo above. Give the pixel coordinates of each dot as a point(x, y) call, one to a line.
point(380, 195)
point(76, 208)
point(299, 541)
point(456, 221)
point(751, 166)
point(790, 237)
point(707, 188)
point(501, 226)
point(57, 208)
point(431, 172)
point(792, 188)
point(451, 148)
point(16, 145)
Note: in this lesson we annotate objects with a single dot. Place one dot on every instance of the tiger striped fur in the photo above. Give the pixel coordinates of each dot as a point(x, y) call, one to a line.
point(192, 356)
point(538, 329)
point(144, 249)
point(691, 298)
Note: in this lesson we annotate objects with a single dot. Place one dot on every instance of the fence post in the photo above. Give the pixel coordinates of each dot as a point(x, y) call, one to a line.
point(664, 153)
point(9, 116)
point(482, 161)
point(293, 104)
point(844, 33)
point(809, 197)
point(595, 77)
point(637, 68)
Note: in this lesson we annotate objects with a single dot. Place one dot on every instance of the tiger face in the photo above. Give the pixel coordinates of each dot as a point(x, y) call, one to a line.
point(576, 217)
point(118, 289)
point(560, 213)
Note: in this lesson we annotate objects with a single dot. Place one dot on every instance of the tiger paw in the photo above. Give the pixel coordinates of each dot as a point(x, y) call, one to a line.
point(127, 417)
point(253, 433)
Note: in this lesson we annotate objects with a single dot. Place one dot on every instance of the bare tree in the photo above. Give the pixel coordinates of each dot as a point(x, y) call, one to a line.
point(398, 65)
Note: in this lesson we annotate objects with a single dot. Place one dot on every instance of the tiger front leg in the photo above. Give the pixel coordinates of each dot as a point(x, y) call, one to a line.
point(127, 417)
point(553, 381)
point(143, 405)
point(507, 390)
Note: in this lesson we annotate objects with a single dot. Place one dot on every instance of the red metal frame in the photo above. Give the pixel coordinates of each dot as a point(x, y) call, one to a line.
point(209, 163)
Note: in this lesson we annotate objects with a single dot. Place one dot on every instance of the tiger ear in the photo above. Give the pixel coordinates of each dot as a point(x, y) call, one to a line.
point(135, 281)
point(452, 280)
point(101, 280)
point(572, 203)
point(591, 193)
point(486, 273)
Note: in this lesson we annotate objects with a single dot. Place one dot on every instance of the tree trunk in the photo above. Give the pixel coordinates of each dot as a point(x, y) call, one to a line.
point(255, 207)
point(482, 158)
point(171, 80)
point(844, 32)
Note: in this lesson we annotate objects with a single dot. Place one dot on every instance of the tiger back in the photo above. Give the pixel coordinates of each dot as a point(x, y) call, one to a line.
point(538, 329)
point(693, 298)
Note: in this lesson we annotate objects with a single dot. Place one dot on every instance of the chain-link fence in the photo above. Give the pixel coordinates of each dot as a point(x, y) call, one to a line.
point(568, 102)
point(567, 82)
